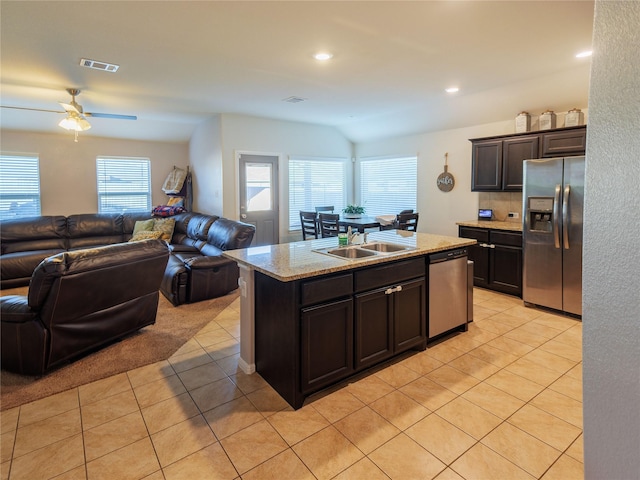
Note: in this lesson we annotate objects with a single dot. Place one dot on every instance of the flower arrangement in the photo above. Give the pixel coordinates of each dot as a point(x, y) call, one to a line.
point(353, 210)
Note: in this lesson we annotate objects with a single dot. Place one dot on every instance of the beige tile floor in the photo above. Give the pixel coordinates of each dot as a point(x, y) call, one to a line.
point(502, 401)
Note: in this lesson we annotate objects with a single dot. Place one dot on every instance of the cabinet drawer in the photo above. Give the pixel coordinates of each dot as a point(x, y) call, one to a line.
point(389, 274)
point(328, 288)
point(513, 239)
point(479, 234)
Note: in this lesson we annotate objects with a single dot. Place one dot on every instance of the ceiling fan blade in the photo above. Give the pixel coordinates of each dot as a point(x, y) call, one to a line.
point(32, 109)
point(110, 115)
point(70, 108)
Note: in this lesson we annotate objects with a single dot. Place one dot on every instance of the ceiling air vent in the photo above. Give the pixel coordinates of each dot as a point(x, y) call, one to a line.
point(294, 99)
point(96, 65)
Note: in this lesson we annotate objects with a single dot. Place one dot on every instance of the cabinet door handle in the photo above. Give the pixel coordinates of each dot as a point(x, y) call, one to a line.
point(391, 290)
point(491, 246)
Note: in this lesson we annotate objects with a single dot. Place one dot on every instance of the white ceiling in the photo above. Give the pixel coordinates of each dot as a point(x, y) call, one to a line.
point(182, 62)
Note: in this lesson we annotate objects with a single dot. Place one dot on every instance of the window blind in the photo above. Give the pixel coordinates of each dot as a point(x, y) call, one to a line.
point(388, 185)
point(314, 183)
point(19, 186)
point(124, 184)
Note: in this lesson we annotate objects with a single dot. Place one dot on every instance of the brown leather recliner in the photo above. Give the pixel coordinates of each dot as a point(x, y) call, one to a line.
point(80, 300)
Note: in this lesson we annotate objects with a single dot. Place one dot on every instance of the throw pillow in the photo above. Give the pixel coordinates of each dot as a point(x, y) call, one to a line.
point(145, 235)
point(166, 226)
point(143, 225)
point(176, 202)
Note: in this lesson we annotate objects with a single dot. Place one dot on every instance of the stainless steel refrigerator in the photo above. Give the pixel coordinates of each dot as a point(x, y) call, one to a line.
point(553, 199)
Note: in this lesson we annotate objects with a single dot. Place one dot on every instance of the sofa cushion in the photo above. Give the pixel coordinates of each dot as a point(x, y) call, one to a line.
point(19, 266)
point(94, 229)
point(199, 225)
point(33, 233)
point(227, 234)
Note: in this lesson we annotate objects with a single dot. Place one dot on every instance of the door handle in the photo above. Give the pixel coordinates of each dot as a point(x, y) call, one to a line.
point(565, 216)
point(243, 215)
point(556, 214)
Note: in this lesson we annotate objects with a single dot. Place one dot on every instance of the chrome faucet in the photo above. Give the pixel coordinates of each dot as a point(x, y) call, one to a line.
point(351, 236)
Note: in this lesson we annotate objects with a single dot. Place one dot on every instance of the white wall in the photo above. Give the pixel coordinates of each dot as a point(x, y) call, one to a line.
point(247, 134)
point(439, 210)
point(68, 183)
point(611, 287)
point(205, 156)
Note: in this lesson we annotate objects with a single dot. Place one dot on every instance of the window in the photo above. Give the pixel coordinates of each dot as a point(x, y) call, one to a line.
point(124, 184)
point(388, 185)
point(19, 186)
point(315, 182)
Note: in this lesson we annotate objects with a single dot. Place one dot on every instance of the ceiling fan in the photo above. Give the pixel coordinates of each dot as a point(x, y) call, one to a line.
point(76, 117)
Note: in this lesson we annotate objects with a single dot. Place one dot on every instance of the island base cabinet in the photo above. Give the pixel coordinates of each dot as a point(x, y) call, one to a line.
point(410, 313)
point(314, 332)
point(374, 328)
point(327, 344)
point(390, 320)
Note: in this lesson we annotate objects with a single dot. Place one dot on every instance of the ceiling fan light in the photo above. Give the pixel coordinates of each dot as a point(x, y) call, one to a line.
point(74, 122)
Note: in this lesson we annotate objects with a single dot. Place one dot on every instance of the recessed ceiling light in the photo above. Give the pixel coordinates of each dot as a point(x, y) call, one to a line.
point(584, 54)
point(322, 56)
point(452, 89)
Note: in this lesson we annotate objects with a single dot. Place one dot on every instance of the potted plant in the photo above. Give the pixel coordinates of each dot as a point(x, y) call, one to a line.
point(353, 211)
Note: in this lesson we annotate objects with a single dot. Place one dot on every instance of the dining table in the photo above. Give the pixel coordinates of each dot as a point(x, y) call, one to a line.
point(360, 223)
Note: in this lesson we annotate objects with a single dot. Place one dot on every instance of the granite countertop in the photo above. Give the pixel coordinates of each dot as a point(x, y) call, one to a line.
point(493, 224)
point(293, 261)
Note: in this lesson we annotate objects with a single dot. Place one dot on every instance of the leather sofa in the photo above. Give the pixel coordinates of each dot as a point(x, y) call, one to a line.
point(196, 269)
point(81, 300)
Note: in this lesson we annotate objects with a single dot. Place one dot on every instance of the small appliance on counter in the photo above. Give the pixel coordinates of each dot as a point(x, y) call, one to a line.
point(485, 214)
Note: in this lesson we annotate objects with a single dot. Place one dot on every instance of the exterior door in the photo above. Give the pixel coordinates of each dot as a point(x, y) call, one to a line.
point(259, 196)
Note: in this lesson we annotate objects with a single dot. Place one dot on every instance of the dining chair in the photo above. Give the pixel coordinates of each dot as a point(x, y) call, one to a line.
point(407, 221)
point(329, 224)
point(394, 224)
point(308, 221)
point(326, 209)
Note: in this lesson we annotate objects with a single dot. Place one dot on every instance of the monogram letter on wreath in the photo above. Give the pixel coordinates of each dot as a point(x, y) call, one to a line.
point(445, 181)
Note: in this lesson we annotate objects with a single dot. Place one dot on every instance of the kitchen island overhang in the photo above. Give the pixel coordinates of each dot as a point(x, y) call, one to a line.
point(289, 266)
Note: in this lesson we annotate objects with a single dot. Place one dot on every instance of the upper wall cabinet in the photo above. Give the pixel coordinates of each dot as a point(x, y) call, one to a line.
point(496, 162)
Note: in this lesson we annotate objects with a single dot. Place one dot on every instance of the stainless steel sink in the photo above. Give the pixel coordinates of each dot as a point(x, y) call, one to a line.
point(363, 251)
point(347, 252)
point(383, 247)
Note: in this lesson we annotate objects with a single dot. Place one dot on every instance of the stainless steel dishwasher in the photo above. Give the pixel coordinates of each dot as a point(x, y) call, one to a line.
point(447, 291)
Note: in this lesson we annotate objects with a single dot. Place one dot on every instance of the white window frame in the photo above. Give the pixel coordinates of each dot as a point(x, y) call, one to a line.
point(19, 185)
point(388, 185)
point(310, 196)
point(134, 171)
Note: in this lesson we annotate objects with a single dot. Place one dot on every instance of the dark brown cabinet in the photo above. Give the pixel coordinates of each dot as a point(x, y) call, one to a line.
point(564, 143)
point(486, 165)
point(496, 162)
point(312, 333)
point(497, 259)
point(327, 344)
point(389, 320)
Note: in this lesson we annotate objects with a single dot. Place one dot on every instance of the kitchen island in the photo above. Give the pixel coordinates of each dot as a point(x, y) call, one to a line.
point(310, 319)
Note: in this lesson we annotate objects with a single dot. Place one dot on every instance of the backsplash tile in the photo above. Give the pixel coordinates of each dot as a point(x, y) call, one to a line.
point(502, 203)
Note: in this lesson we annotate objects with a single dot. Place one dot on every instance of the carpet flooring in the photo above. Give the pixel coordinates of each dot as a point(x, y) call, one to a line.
point(173, 328)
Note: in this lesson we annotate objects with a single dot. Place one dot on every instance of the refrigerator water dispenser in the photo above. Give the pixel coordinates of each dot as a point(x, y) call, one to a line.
point(540, 211)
